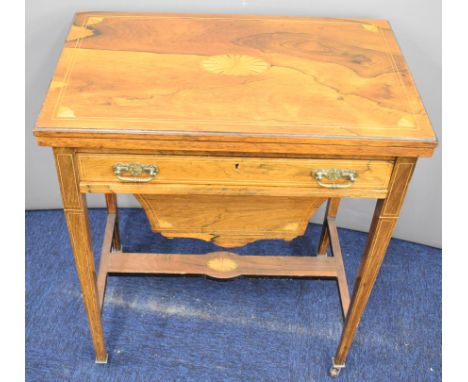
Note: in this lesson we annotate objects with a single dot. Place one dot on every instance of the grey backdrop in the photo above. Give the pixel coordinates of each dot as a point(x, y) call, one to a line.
point(418, 27)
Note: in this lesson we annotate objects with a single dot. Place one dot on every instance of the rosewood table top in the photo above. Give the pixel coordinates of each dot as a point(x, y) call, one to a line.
point(311, 80)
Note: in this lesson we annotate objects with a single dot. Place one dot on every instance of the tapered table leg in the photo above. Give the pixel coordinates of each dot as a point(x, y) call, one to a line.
point(329, 236)
point(331, 211)
point(76, 214)
point(111, 202)
point(385, 217)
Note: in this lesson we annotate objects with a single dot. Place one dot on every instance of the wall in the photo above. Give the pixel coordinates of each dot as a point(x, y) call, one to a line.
point(417, 25)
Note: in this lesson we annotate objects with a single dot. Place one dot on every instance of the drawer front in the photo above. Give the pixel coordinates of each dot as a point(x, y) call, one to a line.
point(203, 170)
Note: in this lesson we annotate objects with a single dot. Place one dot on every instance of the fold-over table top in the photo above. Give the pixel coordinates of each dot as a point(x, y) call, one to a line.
point(233, 75)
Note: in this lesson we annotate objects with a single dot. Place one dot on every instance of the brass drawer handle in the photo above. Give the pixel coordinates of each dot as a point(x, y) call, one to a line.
point(135, 169)
point(334, 174)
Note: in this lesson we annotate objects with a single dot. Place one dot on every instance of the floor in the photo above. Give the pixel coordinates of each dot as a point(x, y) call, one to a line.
point(246, 329)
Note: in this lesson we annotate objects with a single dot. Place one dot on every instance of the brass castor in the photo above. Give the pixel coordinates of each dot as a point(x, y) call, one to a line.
point(103, 362)
point(335, 369)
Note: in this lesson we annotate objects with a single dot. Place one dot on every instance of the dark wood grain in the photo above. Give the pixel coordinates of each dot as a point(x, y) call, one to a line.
point(322, 81)
point(222, 265)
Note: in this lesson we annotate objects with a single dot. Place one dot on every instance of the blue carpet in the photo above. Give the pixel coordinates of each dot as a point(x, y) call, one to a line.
point(247, 329)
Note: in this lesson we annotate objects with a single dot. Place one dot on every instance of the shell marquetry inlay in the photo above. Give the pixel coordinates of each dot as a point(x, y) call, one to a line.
point(222, 264)
point(234, 65)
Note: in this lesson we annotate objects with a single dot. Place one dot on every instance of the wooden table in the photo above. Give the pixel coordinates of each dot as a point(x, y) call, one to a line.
point(232, 129)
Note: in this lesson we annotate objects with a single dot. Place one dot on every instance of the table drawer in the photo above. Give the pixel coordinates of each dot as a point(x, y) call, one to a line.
point(174, 169)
